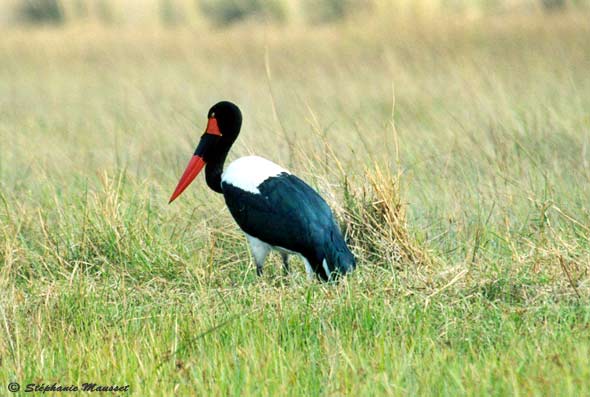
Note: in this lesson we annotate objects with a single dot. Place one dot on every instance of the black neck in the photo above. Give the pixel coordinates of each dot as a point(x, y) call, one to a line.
point(214, 168)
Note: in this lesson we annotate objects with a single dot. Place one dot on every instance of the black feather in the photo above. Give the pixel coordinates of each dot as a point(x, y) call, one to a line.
point(288, 213)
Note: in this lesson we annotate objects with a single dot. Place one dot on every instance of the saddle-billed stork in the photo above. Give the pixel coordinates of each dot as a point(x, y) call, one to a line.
point(274, 208)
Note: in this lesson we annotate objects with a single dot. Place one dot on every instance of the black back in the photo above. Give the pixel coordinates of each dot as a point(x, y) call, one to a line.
point(289, 214)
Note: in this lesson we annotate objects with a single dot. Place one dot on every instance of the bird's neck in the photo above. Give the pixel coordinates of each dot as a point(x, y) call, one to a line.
point(214, 169)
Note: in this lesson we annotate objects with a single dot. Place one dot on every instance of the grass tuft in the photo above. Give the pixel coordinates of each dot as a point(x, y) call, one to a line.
point(375, 222)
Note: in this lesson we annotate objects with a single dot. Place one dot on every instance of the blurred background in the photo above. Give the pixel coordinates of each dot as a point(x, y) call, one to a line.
point(226, 12)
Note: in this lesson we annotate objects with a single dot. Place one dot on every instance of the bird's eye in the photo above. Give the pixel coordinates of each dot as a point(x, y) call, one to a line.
point(212, 114)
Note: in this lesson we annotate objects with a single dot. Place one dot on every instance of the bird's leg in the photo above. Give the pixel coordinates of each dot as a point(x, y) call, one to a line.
point(259, 269)
point(285, 258)
point(259, 250)
point(308, 269)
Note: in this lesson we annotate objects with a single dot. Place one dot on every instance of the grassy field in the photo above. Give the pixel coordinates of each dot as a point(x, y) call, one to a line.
point(455, 154)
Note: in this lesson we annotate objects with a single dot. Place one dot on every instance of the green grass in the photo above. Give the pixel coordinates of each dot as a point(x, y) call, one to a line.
point(454, 154)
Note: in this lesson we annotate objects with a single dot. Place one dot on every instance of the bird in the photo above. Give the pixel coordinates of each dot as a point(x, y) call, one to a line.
point(275, 209)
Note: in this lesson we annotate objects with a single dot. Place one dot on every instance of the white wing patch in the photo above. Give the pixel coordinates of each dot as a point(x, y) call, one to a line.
point(247, 173)
point(326, 269)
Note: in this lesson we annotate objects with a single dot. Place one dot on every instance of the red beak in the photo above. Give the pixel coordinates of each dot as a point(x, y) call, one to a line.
point(192, 170)
point(208, 141)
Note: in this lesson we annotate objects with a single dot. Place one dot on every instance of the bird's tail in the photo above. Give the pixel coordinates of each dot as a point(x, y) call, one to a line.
point(338, 256)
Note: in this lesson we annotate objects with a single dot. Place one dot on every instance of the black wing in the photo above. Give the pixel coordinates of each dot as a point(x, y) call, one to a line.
point(286, 213)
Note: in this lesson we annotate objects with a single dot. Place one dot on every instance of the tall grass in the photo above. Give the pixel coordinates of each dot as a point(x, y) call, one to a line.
point(454, 154)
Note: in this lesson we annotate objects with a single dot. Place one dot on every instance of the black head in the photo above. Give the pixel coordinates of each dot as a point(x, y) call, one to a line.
point(229, 119)
point(224, 121)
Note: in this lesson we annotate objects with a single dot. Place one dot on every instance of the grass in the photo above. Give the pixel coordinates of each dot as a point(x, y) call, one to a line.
point(454, 153)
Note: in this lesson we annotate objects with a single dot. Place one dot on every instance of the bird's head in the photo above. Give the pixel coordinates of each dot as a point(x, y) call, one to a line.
point(224, 121)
